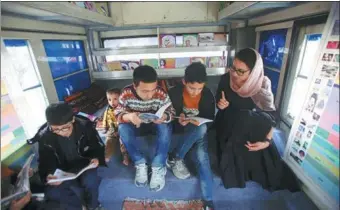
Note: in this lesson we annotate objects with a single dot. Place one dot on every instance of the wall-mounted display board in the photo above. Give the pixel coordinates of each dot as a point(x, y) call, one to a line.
point(313, 146)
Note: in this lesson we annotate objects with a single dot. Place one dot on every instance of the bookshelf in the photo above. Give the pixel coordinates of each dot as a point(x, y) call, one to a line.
point(162, 73)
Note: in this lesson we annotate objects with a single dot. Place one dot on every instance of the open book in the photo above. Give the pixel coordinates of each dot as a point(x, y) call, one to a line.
point(22, 186)
point(64, 176)
point(200, 120)
point(149, 117)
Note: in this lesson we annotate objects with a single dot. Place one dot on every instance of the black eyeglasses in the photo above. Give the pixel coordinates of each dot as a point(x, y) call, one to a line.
point(62, 130)
point(239, 72)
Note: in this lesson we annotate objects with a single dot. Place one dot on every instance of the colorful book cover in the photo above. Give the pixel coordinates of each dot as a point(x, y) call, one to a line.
point(182, 62)
point(114, 66)
point(167, 40)
point(125, 65)
point(220, 38)
point(133, 65)
point(190, 40)
point(150, 62)
point(129, 65)
point(198, 59)
point(215, 62)
point(167, 63)
point(206, 37)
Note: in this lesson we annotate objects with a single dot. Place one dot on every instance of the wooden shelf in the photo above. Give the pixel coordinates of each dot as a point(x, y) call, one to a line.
point(60, 12)
point(162, 73)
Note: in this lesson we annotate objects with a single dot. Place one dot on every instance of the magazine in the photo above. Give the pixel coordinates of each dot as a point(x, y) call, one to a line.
point(149, 117)
point(182, 62)
point(64, 176)
point(22, 186)
point(190, 40)
point(200, 120)
point(167, 40)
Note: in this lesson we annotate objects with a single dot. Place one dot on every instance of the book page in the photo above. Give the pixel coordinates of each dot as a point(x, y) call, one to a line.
point(200, 120)
point(64, 176)
point(22, 185)
point(161, 111)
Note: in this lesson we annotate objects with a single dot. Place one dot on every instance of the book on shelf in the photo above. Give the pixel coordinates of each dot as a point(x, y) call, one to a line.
point(215, 62)
point(205, 37)
point(190, 40)
point(129, 65)
point(114, 66)
point(167, 40)
point(198, 59)
point(182, 62)
point(167, 63)
point(150, 62)
point(217, 40)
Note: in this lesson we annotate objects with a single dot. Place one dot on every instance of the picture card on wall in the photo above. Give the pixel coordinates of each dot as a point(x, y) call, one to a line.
point(150, 62)
point(167, 63)
point(198, 59)
point(167, 40)
point(215, 62)
point(190, 40)
point(182, 62)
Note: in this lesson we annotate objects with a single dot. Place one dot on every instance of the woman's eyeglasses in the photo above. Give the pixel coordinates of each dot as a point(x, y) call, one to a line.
point(239, 72)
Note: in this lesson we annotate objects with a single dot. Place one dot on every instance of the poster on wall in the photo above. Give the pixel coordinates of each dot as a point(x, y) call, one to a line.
point(12, 133)
point(313, 146)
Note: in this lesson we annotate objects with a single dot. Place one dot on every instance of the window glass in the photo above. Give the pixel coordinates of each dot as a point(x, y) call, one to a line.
point(65, 56)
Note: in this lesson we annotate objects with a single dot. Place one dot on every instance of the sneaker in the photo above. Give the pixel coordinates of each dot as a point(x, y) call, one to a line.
point(208, 205)
point(178, 168)
point(141, 179)
point(157, 178)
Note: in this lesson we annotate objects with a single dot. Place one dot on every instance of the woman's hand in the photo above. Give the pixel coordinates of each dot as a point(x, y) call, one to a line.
point(223, 103)
point(257, 146)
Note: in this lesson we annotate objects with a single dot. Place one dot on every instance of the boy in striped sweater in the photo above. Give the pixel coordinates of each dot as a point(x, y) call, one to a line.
point(144, 96)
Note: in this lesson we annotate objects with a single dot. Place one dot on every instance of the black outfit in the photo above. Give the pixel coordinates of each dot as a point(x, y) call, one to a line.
point(240, 122)
point(71, 155)
point(206, 106)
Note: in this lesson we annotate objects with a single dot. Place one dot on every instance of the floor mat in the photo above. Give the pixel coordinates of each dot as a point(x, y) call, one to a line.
point(137, 204)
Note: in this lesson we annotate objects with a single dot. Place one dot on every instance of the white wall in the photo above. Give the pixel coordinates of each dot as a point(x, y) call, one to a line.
point(146, 13)
point(16, 23)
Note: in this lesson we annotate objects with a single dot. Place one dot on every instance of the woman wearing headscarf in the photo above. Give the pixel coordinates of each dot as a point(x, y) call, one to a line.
point(245, 124)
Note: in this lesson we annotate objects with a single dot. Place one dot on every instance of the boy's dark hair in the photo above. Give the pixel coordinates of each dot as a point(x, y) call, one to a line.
point(59, 113)
point(145, 74)
point(247, 56)
point(195, 72)
point(113, 91)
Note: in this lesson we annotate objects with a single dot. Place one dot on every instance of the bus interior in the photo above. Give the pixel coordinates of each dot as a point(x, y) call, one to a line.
point(74, 51)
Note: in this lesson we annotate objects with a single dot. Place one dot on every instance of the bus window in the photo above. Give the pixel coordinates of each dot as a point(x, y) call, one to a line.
point(25, 71)
point(299, 77)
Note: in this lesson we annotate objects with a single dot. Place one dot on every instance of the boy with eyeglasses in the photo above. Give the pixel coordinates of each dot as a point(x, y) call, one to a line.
point(69, 143)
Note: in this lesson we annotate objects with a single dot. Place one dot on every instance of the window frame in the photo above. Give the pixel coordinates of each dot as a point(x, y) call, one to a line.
point(36, 41)
point(298, 25)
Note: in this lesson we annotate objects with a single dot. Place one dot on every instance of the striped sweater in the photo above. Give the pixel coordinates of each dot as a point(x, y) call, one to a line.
point(130, 102)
